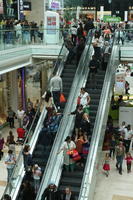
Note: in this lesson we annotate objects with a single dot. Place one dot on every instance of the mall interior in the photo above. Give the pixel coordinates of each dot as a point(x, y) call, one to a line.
point(37, 43)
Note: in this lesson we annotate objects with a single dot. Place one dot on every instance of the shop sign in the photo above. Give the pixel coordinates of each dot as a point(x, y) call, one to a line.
point(27, 5)
point(111, 19)
point(1, 6)
point(51, 25)
point(55, 5)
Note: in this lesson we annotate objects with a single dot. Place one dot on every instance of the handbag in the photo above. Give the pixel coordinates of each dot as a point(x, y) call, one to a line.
point(73, 154)
point(62, 98)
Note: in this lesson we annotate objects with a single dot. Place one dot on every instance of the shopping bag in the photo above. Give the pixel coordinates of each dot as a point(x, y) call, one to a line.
point(78, 100)
point(75, 155)
point(62, 98)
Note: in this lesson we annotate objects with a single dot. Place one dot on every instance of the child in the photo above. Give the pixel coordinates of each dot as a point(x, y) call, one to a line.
point(106, 165)
point(129, 159)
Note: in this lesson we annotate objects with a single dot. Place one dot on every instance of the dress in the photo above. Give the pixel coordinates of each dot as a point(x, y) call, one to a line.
point(106, 165)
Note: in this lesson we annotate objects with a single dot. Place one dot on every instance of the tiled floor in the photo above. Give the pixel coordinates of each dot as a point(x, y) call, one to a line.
point(116, 186)
point(3, 171)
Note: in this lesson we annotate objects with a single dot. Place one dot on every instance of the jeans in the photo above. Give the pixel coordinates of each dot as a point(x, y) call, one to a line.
point(9, 173)
point(119, 162)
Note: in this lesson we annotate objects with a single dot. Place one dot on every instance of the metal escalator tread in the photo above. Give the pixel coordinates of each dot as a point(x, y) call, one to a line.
point(43, 147)
point(74, 179)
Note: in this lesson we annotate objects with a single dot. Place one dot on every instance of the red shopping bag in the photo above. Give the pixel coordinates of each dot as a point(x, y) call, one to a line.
point(62, 98)
point(78, 100)
point(75, 155)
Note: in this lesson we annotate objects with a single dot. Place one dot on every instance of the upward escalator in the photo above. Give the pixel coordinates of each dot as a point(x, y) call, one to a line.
point(74, 179)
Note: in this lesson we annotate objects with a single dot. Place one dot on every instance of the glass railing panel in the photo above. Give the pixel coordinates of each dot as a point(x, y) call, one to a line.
point(31, 137)
point(10, 38)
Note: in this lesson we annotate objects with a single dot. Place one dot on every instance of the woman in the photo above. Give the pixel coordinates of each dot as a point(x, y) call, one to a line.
point(10, 142)
point(1, 145)
point(36, 170)
point(68, 195)
point(67, 146)
point(48, 102)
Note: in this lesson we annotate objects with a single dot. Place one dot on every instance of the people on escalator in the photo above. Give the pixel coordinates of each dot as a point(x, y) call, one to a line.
point(49, 103)
point(85, 124)
point(37, 173)
point(80, 140)
point(80, 48)
point(67, 194)
point(6, 197)
point(26, 121)
point(97, 42)
point(79, 114)
point(27, 157)
point(27, 191)
point(74, 34)
point(80, 32)
point(93, 70)
point(56, 86)
point(71, 51)
point(89, 25)
point(67, 146)
point(51, 193)
point(85, 101)
point(106, 55)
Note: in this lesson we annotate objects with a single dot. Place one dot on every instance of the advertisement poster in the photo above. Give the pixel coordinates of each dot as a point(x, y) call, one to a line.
point(120, 83)
point(1, 6)
point(51, 25)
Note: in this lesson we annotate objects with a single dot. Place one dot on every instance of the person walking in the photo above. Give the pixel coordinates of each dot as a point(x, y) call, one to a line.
point(56, 87)
point(120, 153)
point(1, 145)
point(106, 165)
point(10, 162)
point(128, 134)
point(112, 147)
point(11, 116)
point(129, 159)
point(20, 115)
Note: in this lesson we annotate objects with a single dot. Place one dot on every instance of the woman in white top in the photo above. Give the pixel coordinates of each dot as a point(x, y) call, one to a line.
point(128, 134)
point(67, 146)
point(97, 45)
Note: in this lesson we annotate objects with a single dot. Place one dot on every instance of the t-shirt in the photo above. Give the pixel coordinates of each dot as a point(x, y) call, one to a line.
point(84, 99)
point(20, 114)
point(10, 158)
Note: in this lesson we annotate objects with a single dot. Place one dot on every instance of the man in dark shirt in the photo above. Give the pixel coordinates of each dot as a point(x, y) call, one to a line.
point(93, 70)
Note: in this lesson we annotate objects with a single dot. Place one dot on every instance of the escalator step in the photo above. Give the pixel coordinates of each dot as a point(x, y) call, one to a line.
point(71, 181)
point(75, 174)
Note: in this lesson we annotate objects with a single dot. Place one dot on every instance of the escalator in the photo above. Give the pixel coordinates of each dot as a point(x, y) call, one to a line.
point(74, 179)
point(44, 144)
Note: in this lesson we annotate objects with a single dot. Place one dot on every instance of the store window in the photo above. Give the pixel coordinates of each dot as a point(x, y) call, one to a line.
point(3, 99)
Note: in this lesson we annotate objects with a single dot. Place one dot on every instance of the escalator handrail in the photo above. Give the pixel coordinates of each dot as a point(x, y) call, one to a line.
point(60, 136)
point(58, 70)
point(90, 163)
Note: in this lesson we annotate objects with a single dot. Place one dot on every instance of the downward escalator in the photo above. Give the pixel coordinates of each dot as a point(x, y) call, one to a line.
point(74, 179)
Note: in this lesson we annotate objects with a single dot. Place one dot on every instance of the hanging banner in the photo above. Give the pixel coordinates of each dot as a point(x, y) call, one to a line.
point(1, 7)
point(111, 19)
point(20, 10)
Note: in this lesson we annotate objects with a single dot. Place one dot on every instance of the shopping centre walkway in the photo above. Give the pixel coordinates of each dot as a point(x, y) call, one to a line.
point(116, 186)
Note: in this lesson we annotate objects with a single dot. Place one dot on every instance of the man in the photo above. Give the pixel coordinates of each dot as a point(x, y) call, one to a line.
point(128, 134)
point(11, 116)
point(120, 153)
point(93, 70)
point(56, 87)
point(51, 193)
point(89, 25)
point(10, 162)
point(6, 197)
point(20, 116)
